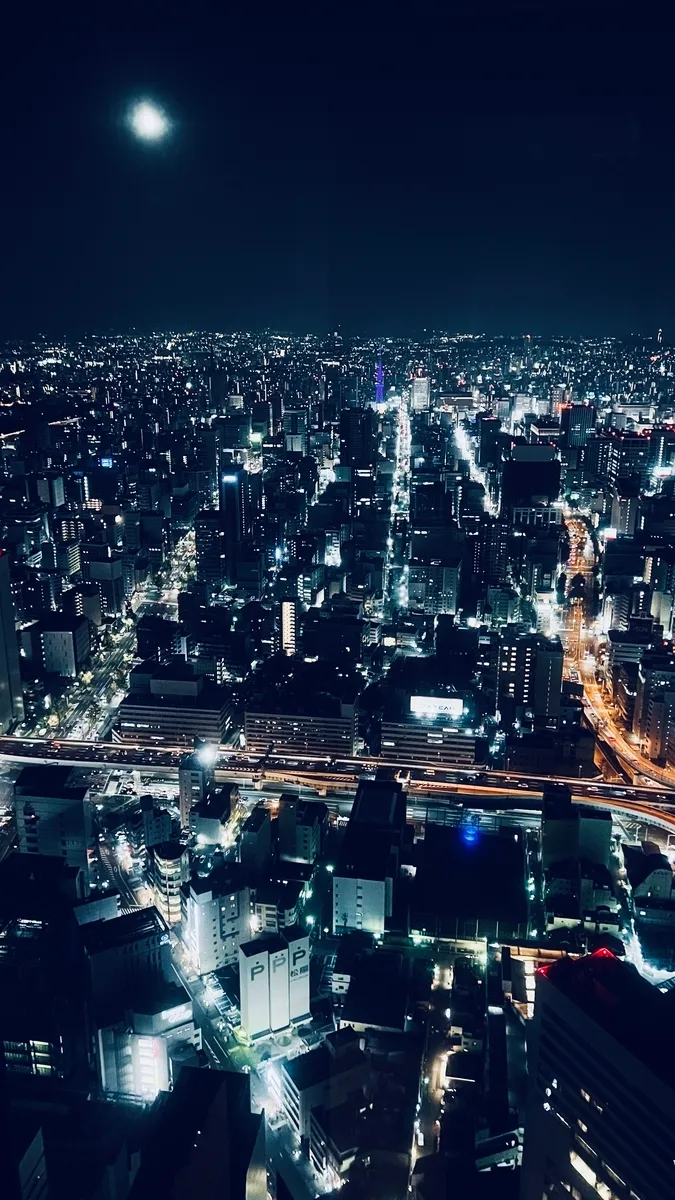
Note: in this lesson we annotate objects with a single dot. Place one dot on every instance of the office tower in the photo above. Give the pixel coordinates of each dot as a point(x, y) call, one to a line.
point(600, 1118)
point(487, 550)
point(577, 422)
point(210, 549)
point(240, 507)
point(65, 643)
point(53, 817)
point(11, 694)
point(125, 954)
point(196, 782)
point(530, 477)
point(42, 1017)
point(295, 430)
point(300, 827)
point(174, 704)
point(656, 674)
point(626, 507)
point(274, 981)
point(255, 843)
point(420, 394)
point(104, 567)
point(168, 870)
point(288, 616)
point(433, 587)
point(547, 684)
point(364, 878)
point(379, 381)
point(358, 437)
point(488, 429)
point(614, 455)
point(573, 832)
point(332, 1080)
point(530, 675)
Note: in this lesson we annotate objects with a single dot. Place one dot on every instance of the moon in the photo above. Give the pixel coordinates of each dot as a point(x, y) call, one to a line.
point(148, 122)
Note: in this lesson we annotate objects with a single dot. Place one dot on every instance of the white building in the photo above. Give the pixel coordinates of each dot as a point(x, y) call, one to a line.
point(53, 817)
point(420, 394)
point(289, 612)
point(135, 1053)
point(274, 981)
point(325, 1077)
point(363, 901)
point(196, 781)
point(216, 918)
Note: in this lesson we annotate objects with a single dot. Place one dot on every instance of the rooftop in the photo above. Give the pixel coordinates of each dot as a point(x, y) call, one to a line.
point(268, 943)
point(308, 1070)
point(48, 781)
point(99, 936)
point(620, 1000)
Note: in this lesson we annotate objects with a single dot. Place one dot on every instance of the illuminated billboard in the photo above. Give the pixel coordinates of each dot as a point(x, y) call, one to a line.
point(437, 706)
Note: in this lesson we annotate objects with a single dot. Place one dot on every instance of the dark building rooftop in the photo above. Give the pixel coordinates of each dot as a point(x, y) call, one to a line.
point(132, 927)
point(621, 1001)
point(48, 781)
point(204, 1139)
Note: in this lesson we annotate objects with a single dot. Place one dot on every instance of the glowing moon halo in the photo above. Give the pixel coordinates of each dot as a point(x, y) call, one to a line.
point(148, 122)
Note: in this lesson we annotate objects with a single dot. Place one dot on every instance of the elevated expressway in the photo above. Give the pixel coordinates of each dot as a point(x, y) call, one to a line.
point(426, 783)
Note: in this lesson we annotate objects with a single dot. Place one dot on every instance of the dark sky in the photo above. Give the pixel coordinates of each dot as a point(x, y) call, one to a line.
point(471, 190)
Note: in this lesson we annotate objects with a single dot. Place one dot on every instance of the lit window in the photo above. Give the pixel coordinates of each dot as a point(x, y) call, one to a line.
point(583, 1168)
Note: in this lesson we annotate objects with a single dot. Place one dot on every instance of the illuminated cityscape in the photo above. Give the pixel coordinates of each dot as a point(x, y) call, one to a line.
point(334, 707)
point(337, 619)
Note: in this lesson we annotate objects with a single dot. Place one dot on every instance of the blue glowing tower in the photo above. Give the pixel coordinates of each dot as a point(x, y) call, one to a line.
point(379, 380)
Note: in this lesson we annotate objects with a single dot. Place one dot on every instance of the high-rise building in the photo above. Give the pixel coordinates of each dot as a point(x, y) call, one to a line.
point(288, 616)
point(216, 917)
point(240, 494)
point(196, 782)
point(210, 548)
point(125, 954)
point(358, 437)
point(53, 817)
point(600, 1119)
point(420, 394)
point(144, 1045)
point(530, 675)
point(626, 507)
point(294, 424)
point(300, 826)
point(168, 871)
point(487, 548)
point(11, 694)
point(577, 422)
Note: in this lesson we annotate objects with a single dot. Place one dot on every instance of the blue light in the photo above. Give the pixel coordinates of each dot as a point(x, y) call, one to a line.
point(106, 462)
point(469, 835)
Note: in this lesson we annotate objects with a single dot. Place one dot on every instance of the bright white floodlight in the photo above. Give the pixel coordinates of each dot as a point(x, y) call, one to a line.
point(207, 755)
point(148, 122)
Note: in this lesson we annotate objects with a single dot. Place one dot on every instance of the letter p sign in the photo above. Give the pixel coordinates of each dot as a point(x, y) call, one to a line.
point(257, 969)
point(298, 955)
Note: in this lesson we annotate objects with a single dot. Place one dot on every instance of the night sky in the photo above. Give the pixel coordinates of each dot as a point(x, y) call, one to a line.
point(462, 194)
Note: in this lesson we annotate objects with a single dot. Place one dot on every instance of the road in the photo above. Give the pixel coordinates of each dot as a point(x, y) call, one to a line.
point(114, 661)
point(609, 731)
